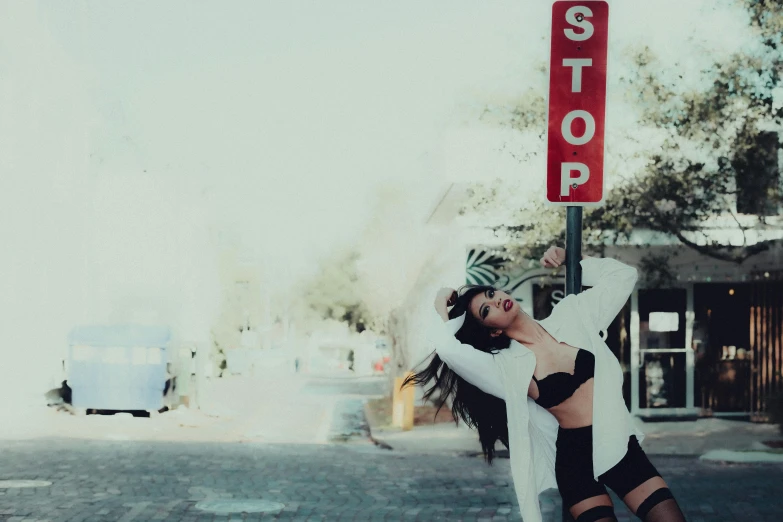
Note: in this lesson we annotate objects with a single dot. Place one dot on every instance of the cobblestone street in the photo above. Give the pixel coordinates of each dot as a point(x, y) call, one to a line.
point(142, 481)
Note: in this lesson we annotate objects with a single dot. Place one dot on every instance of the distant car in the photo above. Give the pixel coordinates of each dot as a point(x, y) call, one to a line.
point(119, 367)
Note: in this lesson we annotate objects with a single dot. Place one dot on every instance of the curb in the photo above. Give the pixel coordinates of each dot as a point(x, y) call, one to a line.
point(349, 423)
point(745, 457)
point(380, 443)
point(456, 452)
point(369, 420)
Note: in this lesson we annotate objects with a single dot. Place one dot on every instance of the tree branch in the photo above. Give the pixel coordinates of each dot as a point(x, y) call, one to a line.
point(737, 255)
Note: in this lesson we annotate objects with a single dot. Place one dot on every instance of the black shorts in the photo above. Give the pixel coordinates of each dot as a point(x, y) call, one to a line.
point(574, 467)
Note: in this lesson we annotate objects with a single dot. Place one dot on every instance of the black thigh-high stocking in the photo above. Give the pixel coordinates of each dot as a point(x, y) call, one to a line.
point(660, 506)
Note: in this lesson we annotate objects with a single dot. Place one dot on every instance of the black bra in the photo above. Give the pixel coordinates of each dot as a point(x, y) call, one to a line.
point(557, 387)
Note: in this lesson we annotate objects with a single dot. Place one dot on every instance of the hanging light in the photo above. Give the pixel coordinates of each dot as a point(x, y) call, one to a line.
point(731, 291)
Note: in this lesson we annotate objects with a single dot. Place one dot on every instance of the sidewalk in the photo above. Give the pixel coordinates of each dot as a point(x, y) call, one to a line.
point(704, 435)
point(661, 438)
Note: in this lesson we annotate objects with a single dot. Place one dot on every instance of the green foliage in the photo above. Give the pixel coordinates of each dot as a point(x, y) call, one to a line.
point(657, 271)
point(712, 138)
point(335, 292)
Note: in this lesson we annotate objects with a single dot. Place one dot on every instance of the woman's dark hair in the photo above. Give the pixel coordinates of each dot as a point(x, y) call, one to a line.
point(476, 408)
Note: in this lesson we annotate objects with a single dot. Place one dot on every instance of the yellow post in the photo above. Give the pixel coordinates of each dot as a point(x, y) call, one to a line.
point(408, 398)
point(398, 405)
point(402, 404)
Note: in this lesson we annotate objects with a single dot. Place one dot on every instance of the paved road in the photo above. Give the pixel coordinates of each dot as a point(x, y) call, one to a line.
point(295, 409)
point(346, 418)
point(142, 481)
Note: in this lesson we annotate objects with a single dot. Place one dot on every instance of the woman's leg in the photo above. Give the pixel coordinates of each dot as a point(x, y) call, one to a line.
point(653, 502)
point(642, 488)
point(594, 509)
point(585, 498)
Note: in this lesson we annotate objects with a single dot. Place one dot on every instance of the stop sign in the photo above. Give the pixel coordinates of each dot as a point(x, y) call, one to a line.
point(577, 102)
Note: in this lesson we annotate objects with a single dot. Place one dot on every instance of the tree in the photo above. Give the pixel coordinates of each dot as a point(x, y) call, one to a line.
point(717, 148)
point(335, 292)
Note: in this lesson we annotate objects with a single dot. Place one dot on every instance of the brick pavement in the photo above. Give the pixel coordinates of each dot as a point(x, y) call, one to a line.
point(144, 481)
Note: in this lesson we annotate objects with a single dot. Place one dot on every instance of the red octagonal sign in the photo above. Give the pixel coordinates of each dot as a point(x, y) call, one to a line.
point(577, 102)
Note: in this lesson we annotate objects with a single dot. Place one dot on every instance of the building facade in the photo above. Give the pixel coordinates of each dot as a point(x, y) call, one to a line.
point(707, 343)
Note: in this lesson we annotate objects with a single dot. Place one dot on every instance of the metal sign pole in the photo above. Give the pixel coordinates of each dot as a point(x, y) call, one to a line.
point(573, 250)
point(573, 271)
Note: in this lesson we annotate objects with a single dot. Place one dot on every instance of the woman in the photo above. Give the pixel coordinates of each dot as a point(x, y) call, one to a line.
point(551, 392)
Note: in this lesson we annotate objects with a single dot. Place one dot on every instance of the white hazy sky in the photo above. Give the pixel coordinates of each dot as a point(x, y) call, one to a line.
point(288, 113)
point(128, 129)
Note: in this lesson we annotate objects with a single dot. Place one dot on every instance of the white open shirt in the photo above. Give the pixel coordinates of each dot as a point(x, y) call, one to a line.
point(577, 320)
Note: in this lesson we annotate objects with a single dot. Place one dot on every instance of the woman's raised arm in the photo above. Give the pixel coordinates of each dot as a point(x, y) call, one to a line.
point(612, 283)
point(477, 367)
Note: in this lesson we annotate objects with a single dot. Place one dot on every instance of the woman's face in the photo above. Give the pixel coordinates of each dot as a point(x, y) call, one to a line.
point(494, 309)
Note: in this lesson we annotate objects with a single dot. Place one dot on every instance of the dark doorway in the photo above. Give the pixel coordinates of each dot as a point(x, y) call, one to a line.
point(662, 369)
point(721, 342)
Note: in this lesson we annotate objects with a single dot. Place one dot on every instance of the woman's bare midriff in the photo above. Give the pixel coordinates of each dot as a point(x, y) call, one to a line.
point(577, 410)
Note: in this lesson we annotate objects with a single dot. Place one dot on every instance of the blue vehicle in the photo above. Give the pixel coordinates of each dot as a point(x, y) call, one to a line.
point(118, 367)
